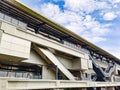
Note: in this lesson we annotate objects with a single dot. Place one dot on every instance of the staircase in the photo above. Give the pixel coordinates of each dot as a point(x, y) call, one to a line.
point(103, 75)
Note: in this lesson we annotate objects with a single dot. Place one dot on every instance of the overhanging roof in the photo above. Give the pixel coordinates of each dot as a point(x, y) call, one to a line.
point(60, 28)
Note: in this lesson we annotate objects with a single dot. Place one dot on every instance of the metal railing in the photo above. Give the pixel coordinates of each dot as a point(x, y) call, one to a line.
point(19, 74)
point(75, 46)
point(66, 43)
point(116, 79)
point(11, 20)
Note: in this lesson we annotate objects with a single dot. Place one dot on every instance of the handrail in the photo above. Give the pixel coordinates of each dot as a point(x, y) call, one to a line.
point(75, 46)
point(9, 19)
point(107, 73)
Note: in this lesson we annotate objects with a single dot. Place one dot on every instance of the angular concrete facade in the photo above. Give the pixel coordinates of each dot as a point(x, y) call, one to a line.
point(36, 53)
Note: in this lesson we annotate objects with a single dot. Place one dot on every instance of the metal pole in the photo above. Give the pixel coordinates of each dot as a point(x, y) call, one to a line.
point(56, 69)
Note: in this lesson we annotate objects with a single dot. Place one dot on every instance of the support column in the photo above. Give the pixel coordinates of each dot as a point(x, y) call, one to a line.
point(3, 84)
point(56, 72)
point(103, 88)
point(81, 89)
point(84, 89)
point(110, 88)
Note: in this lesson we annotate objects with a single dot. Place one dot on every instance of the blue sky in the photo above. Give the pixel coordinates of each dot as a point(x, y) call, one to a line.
point(98, 21)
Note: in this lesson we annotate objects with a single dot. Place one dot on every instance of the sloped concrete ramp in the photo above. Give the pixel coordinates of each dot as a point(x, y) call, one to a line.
point(56, 62)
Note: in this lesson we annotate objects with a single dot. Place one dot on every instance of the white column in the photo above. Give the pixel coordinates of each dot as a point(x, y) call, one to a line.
point(3, 84)
point(103, 88)
point(84, 89)
point(110, 88)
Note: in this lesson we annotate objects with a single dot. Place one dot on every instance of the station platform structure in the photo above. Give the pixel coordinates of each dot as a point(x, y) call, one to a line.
point(37, 53)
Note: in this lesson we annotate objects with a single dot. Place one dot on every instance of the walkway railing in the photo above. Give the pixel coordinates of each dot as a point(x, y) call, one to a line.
point(19, 74)
point(75, 46)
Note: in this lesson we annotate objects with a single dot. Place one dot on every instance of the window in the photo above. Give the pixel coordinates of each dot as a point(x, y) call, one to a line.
point(1, 16)
point(3, 74)
point(15, 21)
point(12, 74)
point(12, 20)
point(19, 74)
point(7, 18)
point(21, 24)
point(25, 75)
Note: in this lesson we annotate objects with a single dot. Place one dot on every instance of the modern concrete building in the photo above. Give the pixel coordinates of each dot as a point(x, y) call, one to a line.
point(36, 53)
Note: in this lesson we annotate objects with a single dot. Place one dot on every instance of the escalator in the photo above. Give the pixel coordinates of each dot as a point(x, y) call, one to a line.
point(103, 75)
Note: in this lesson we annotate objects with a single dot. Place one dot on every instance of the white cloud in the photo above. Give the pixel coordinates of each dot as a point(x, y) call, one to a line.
point(80, 5)
point(77, 17)
point(83, 25)
point(116, 53)
point(87, 6)
point(98, 39)
point(115, 1)
point(114, 50)
point(49, 10)
point(109, 16)
point(57, 0)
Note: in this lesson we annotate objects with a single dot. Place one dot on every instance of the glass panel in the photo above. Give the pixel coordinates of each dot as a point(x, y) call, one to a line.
point(14, 21)
point(1, 15)
point(25, 75)
point(9, 74)
point(7, 18)
point(21, 24)
point(12, 74)
point(19, 74)
point(3, 73)
point(37, 77)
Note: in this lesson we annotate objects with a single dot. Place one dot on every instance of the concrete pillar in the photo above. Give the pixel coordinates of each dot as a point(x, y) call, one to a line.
point(84, 89)
point(3, 84)
point(80, 89)
point(103, 88)
point(110, 88)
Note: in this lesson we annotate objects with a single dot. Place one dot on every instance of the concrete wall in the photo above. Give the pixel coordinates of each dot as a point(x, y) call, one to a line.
point(90, 66)
point(26, 84)
point(1, 32)
point(36, 59)
point(39, 39)
point(65, 61)
point(48, 73)
point(75, 64)
point(14, 46)
point(84, 64)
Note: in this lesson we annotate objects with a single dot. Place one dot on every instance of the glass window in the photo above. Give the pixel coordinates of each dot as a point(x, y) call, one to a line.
point(19, 74)
point(3, 73)
point(21, 24)
point(12, 74)
point(30, 75)
point(1, 15)
point(8, 73)
point(25, 75)
point(7, 18)
point(14, 21)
